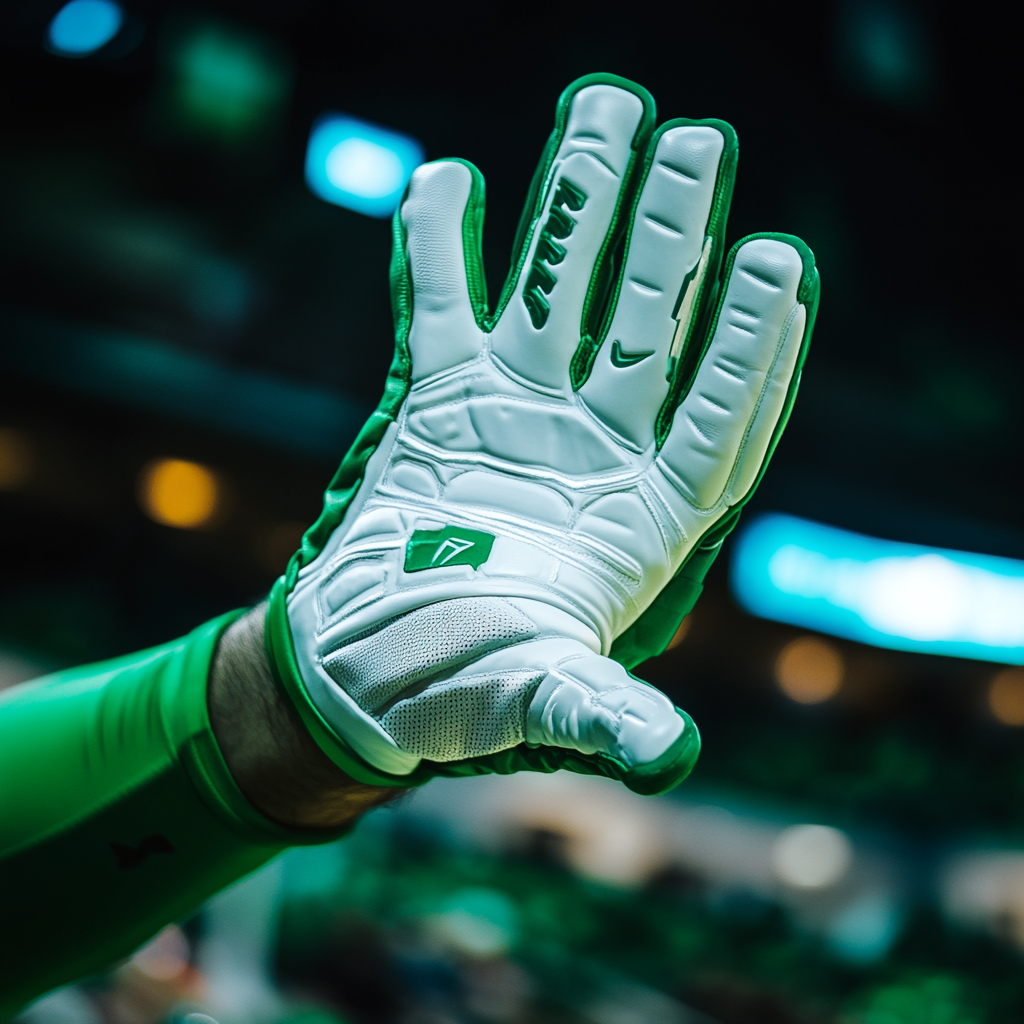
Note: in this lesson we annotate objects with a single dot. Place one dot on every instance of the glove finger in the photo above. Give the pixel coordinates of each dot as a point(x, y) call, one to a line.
point(441, 275)
point(722, 431)
point(469, 677)
point(672, 246)
point(591, 704)
point(545, 704)
point(571, 229)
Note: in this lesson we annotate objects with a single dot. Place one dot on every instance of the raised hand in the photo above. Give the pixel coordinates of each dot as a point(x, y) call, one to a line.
point(536, 501)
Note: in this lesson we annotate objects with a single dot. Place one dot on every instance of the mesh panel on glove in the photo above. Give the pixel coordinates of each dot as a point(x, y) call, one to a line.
point(430, 641)
point(465, 717)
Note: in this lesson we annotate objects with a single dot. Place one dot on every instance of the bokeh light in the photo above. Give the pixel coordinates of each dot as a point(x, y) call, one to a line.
point(174, 492)
point(680, 634)
point(811, 856)
point(16, 459)
point(809, 670)
point(908, 597)
point(83, 27)
point(362, 166)
point(1006, 696)
point(164, 957)
point(226, 81)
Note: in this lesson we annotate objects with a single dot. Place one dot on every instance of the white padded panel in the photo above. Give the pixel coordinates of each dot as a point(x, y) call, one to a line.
point(356, 580)
point(592, 704)
point(509, 494)
point(413, 476)
point(665, 245)
point(773, 398)
point(444, 331)
point(710, 425)
point(623, 521)
point(520, 432)
point(594, 155)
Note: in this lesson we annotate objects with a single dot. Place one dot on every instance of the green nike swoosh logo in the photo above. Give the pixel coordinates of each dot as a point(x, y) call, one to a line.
point(620, 358)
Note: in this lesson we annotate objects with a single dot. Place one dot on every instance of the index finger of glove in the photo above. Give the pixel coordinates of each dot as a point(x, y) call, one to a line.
point(570, 227)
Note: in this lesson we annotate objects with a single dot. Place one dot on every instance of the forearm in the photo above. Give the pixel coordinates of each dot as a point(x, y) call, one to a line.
point(118, 807)
point(270, 754)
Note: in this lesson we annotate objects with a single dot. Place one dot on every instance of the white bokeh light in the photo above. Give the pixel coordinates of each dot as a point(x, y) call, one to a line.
point(811, 856)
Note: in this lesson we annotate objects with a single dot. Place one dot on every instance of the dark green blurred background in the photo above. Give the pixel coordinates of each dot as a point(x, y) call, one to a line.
point(170, 289)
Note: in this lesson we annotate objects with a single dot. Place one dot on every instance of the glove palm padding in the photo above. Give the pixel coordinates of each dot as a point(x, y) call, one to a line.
point(535, 479)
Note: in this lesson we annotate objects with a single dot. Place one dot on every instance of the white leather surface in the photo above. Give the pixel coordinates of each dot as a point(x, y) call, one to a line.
point(589, 521)
point(444, 331)
point(752, 357)
point(665, 244)
point(594, 155)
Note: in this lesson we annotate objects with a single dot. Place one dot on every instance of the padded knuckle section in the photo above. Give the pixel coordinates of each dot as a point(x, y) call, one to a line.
point(774, 265)
point(602, 121)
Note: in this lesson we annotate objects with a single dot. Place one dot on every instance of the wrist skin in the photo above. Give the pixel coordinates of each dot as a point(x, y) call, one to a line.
point(273, 759)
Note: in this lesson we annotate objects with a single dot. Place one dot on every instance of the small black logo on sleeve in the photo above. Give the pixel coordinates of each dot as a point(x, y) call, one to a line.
point(133, 856)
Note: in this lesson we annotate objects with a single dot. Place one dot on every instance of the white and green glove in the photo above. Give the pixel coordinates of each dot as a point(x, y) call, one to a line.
point(534, 504)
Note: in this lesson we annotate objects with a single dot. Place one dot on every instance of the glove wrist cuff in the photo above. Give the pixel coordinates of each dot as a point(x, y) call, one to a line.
point(285, 670)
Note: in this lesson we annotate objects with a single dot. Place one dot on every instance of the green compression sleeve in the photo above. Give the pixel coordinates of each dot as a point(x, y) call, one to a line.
point(117, 813)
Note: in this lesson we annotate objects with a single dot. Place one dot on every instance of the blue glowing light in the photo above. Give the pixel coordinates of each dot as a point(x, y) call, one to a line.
point(84, 26)
point(359, 165)
point(881, 592)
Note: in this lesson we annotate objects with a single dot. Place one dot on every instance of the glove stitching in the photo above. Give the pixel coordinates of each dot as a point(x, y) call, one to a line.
point(784, 333)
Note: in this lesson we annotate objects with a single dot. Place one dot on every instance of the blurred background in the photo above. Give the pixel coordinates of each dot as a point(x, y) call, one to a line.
point(195, 322)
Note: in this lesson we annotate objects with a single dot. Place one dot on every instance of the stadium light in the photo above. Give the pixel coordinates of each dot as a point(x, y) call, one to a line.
point(174, 492)
point(83, 27)
point(359, 165)
point(889, 594)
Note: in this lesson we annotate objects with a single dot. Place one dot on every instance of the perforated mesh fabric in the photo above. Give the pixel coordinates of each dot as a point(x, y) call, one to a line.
point(465, 717)
point(438, 638)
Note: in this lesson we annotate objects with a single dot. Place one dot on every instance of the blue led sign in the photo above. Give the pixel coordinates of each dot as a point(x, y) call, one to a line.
point(903, 596)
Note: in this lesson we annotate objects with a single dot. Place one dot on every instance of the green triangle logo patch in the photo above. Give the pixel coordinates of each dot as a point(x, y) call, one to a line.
point(452, 545)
